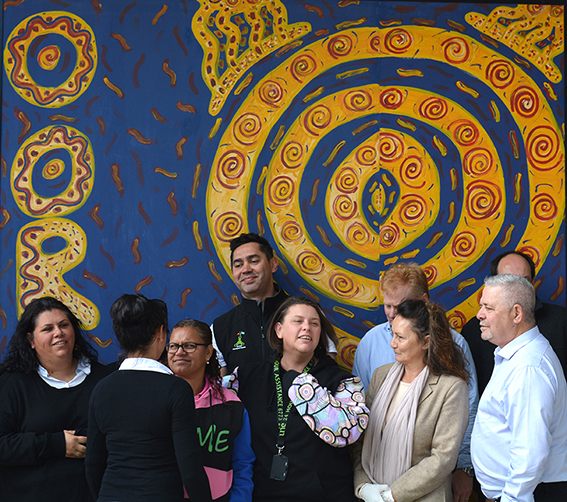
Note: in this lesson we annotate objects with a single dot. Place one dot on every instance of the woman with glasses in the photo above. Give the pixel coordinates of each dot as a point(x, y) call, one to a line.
point(142, 438)
point(222, 421)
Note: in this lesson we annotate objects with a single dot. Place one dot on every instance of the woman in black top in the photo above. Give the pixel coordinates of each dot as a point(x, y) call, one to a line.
point(142, 436)
point(47, 380)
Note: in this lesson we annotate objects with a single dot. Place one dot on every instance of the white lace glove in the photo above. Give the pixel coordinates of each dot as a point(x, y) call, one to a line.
point(371, 492)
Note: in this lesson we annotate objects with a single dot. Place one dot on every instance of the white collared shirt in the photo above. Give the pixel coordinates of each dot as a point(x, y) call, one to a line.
point(520, 434)
point(144, 364)
point(82, 372)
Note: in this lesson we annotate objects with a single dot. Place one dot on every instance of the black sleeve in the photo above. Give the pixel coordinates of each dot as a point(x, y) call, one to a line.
point(97, 454)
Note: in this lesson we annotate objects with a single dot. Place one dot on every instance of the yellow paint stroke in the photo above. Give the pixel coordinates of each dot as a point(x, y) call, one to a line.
point(119, 92)
point(63, 118)
point(514, 144)
point(162, 11)
point(518, 190)
point(215, 128)
point(454, 179)
point(342, 311)
point(313, 94)
point(234, 299)
point(558, 246)
point(314, 192)
point(364, 126)
point(179, 147)
point(466, 89)
point(213, 270)
point(324, 236)
point(507, 236)
point(456, 26)
point(169, 72)
point(437, 143)
point(334, 153)
point(452, 212)
point(560, 288)
point(465, 283)
point(244, 84)
point(99, 342)
point(197, 236)
point(550, 92)
point(260, 222)
point(434, 239)
point(309, 294)
point(121, 41)
point(391, 22)
point(352, 73)
point(406, 124)
point(278, 138)
point(494, 111)
point(402, 72)
point(139, 136)
point(261, 179)
point(355, 263)
point(160, 170)
point(410, 254)
point(186, 108)
point(196, 180)
point(390, 261)
point(350, 24)
point(288, 47)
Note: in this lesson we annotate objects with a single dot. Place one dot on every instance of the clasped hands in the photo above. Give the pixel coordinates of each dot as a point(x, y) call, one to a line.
point(370, 492)
point(75, 446)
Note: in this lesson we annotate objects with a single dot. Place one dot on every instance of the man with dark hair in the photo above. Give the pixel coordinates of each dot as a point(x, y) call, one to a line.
point(239, 336)
point(551, 319)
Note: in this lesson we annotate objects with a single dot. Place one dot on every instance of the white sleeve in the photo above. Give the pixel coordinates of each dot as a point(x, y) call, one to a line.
point(220, 357)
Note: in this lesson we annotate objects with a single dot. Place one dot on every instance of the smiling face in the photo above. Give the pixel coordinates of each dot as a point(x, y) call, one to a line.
point(53, 338)
point(188, 365)
point(300, 330)
point(408, 348)
point(252, 272)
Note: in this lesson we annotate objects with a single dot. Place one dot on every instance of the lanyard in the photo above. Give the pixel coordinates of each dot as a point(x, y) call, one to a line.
point(283, 416)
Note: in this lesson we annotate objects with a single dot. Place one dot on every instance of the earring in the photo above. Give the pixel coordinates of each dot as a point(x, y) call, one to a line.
point(208, 361)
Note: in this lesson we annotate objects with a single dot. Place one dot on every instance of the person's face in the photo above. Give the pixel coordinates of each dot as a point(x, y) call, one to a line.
point(300, 330)
point(515, 264)
point(408, 348)
point(53, 338)
point(393, 298)
point(188, 365)
point(496, 318)
point(252, 272)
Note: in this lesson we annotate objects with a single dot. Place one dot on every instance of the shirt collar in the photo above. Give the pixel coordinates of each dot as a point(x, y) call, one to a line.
point(508, 351)
point(81, 373)
point(144, 364)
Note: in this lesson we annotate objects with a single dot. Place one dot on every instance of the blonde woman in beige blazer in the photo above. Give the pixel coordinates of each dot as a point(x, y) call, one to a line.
point(410, 456)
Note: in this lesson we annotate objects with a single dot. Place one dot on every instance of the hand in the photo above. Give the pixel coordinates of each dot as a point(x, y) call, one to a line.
point(462, 486)
point(75, 446)
point(370, 492)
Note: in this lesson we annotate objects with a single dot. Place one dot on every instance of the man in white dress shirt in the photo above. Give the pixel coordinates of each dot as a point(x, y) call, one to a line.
point(519, 440)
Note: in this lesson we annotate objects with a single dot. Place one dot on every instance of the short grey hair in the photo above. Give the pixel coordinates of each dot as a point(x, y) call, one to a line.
point(516, 290)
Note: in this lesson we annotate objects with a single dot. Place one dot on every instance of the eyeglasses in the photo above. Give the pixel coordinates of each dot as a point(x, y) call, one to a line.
point(188, 348)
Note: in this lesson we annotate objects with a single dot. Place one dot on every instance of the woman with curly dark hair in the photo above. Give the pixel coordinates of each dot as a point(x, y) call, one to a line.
point(48, 376)
point(222, 421)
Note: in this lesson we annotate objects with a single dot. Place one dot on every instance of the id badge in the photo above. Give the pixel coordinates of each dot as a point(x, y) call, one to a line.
point(280, 464)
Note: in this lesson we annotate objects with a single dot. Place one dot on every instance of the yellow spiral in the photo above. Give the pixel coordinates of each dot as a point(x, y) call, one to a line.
point(358, 101)
point(317, 119)
point(292, 154)
point(291, 231)
point(246, 128)
point(230, 168)
point(281, 190)
point(477, 162)
point(48, 57)
point(358, 234)
point(310, 262)
point(347, 180)
point(271, 93)
point(342, 285)
point(228, 226)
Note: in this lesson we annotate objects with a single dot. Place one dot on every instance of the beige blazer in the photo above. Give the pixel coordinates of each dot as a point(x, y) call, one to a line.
point(440, 424)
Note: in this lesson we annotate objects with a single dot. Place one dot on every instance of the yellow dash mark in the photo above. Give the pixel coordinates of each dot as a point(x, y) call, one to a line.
point(537, 284)
point(391, 22)
point(368, 324)
point(390, 261)
point(139, 136)
point(260, 185)
point(434, 239)
point(349, 24)
point(352, 73)
point(314, 192)
point(282, 265)
point(278, 137)
point(63, 118)
point(289, 47)
point(454, 179)
point(494, 111)
point(560, 288)
point(456, 26)
point(392, 197)
point(213, 269)
point(402, 72)
point(113, 87)
point(260, 222)
point(386, 180)
point(121, 41)
point(159, 14)
point(355, 263)
point(465, 283)
point(452, 212)
point(522, 62)
point(373, 187)
point(518, 190)
point(309, 294)
point(234, 299)
point(550, 92)
point(324, 236)
point(179, 147)
point(196, 180)
point(314, 94)
point(558, 246)
point(244, 84)
point(160, 170)
point(345, 3)
point(170, 73)
point(407, 124)
point(440, 146)
point(345, 312)
point(410, 254)
point(197, 236)
point(364, 127)
point(334, 153)
point(514, 144)
point(371, 209)
point(507, 236)
point(99, 342)
point(215, 128)
point(186, 108)
point(465, 88)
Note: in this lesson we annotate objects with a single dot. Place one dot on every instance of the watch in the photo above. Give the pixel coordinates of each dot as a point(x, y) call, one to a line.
point(469, 471)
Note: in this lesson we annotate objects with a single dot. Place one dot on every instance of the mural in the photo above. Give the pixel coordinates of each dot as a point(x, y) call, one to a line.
point(138, 138)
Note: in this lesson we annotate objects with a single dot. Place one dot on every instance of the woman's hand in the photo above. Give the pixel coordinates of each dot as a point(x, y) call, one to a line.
point(370, 492)
point(75, 446)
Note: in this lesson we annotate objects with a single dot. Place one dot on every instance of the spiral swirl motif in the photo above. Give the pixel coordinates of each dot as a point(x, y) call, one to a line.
point(306, 391)
point(483, 200)
point(366, 155)
point(543, 148)
point(398, 41)
point(464, 244)
point(281, 190)
point(228, 226)
point(412, 210)
point(358, 101)
point(389, 235)
point(344, 207)
point(358, 234)
point(292, 154)
point(431, 273)
point(411, 172)
point(271, 93)
point(339, 46)
point(500, 73)
point(230, 168)
point(477, 162)
point(347, 180)
point(525, 101)
point(48, 57)
point(390, 147)
point(374, 43)
point(291, 232)
point(392, 98)
point(302, 67)
point(545, 208)
point(456, 50)
point(465, 132)
point(53, 169)
point(343, 285)
point(310, 262)
point(317, 119)
point(246, 128)
point(433, 108)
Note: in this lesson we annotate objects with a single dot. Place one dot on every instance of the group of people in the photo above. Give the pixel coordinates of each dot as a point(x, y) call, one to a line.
point(413, 422)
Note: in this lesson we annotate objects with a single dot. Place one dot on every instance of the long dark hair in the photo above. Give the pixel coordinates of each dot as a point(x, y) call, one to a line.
point(443, 356)
point(21, 357)
point(213, 368)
